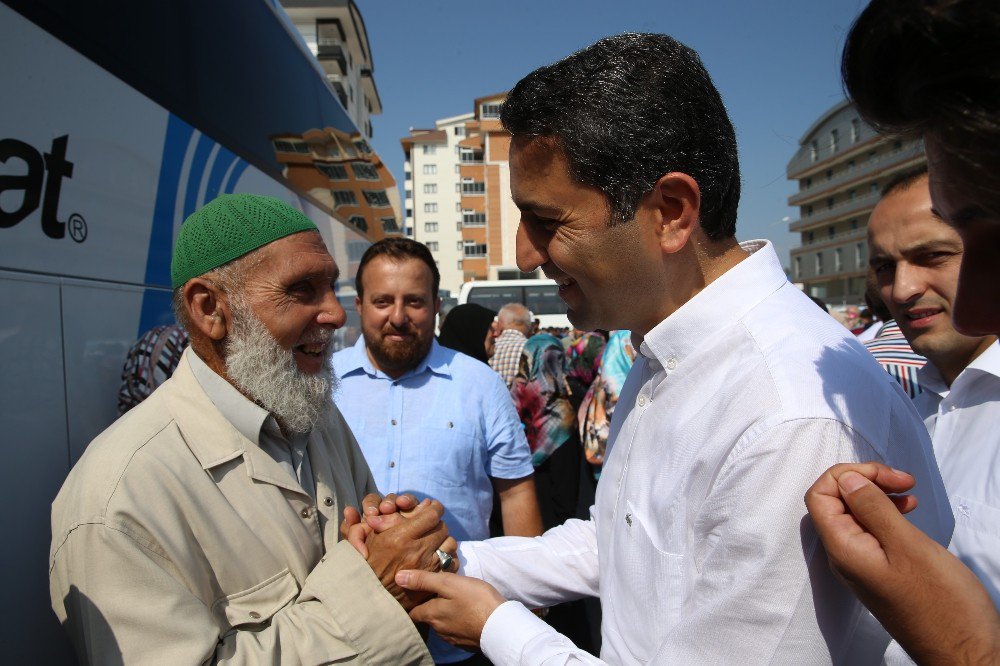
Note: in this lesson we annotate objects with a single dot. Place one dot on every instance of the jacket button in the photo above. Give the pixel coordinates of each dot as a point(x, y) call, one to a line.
point(305, 513)
point(328, 501)
point(254, 615)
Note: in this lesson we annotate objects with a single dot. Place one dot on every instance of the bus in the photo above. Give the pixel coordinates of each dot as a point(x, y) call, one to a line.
point(541, 296)
point(119, 119)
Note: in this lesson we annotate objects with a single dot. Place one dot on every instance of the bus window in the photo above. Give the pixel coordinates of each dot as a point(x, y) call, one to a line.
point(495, 298)
point(544, 299)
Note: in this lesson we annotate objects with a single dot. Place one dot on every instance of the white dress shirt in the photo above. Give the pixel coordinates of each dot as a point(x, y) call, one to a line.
point(698, 544)
point(964, 424)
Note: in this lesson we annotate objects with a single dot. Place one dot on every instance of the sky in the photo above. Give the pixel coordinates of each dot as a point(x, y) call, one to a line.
point(776, 64)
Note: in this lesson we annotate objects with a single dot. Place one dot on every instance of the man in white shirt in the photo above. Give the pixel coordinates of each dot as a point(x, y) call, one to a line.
point(916, 257)
point(624, 166)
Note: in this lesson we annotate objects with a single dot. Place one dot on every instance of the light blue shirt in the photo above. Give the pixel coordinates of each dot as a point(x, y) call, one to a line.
point(441, 430)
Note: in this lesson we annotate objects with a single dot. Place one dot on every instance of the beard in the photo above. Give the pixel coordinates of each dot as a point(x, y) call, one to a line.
point(396, 356)
point(269, 376)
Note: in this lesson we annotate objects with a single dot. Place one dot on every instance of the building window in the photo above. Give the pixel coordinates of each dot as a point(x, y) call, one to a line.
point(806, 183)
point(389, 225)
point(430, 208)
point(459, 130)
point(850, 166)
point(432, 246)
point(409, 213)
point(831, 232)
point(471, 218)
point(473, 249)
point(459, 265)
point(458, 246)
point(344, 198)
point(834, 140)
point(829, 174)
point(829, 203)
point(364, 171)
point(813, 151)
point(430, 188)
point(838, 260)
point(473, 187)
point(377, 198)
point(854, 225)
point(819, 263)
point(470, 156)
point(798, 267)
point(809, 210)
point(458, 187)
point(429, 149)
point(873, 157)
point(355, 249)
point(407, 175)
point(855, 130)
point(332, 171)
point(358, 222)
point(291, 146)
point(458, 227)
point(851, 194)
point(810, 237)
point(859, 255)
point(490, 110)
point(430, 169)
point(874, 188)
point(430, 227)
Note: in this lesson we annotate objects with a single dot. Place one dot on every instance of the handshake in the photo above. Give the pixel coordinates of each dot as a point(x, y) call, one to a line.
point(407, 546)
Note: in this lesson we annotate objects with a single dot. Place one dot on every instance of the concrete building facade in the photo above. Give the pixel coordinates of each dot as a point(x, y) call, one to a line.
point(841, 166)
point(457, 195)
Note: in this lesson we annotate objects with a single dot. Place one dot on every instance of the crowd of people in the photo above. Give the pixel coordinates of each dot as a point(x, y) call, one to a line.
point(273, 501)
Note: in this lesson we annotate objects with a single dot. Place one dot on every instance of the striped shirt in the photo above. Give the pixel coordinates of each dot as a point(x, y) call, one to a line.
point(892, 350)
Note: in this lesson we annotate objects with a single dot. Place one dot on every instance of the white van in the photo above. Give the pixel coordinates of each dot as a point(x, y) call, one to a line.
point(540, 296)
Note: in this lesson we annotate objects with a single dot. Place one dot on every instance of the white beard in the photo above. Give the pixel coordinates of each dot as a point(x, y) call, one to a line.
point(260, 368)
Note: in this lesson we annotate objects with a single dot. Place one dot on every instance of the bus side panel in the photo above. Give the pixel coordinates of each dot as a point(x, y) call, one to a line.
point(98, 330)
point(35, 461)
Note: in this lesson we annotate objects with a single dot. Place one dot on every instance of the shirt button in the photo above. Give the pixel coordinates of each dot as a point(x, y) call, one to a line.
point(392, 463)
point(394, 422)
point(328, 501)
point(254, 615)
point(671, 363)
point(951, 408)
point(305, 513)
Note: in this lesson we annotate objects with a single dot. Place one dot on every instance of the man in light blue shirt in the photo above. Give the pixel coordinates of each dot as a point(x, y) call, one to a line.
point(431, 421)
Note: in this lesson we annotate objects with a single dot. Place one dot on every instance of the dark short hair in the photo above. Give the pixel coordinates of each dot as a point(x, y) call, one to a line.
point(399, 249)
point(904, 180)
point(919, 67)
point(627, 110)
point(873, 299)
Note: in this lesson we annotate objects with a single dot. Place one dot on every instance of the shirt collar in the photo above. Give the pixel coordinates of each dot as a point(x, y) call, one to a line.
point(722, 303)
point(438, 361)
point(247, 417)
point(509, 333)
point(987, 363)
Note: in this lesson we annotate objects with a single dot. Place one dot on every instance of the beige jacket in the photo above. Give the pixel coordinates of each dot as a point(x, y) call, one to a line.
point(178, 541)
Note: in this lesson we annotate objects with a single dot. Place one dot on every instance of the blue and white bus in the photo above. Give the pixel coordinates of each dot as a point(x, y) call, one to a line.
point(119, 118)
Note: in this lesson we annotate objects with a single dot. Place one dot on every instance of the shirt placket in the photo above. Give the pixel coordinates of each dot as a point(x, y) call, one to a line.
point(395, 432)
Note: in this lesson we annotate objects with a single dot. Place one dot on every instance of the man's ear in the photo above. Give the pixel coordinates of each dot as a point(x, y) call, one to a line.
point(676, 198)
point(207, 308)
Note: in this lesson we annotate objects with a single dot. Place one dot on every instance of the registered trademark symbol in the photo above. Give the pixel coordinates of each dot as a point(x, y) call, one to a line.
point(77, 227)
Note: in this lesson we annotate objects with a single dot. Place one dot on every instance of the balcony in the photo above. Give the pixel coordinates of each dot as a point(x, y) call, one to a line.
point(473, 188)
point(860, 204)
point(819, 241)
point(331, 49)
point(470, 157)
point(882, 162)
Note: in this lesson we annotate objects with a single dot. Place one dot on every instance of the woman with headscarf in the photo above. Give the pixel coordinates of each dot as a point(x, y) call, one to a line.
point(469, 329)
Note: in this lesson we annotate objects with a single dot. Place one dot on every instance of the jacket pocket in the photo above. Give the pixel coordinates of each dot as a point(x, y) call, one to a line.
point(256, 605)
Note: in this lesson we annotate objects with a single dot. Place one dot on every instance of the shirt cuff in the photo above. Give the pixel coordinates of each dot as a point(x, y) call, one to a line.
point(508, 631)
point(468, 562)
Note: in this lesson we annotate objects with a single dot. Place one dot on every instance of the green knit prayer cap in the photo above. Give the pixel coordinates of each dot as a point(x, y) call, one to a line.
point(227, 228)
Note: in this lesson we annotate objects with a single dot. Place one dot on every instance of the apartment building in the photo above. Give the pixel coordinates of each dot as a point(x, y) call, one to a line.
point(841, 166)
point(336, 166)
point(457, 195)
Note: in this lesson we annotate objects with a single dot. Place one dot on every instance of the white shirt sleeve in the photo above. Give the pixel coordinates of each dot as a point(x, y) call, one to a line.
point(558, 566)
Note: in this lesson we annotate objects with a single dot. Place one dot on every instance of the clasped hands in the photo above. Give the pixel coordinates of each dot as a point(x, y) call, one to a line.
point(399, 537)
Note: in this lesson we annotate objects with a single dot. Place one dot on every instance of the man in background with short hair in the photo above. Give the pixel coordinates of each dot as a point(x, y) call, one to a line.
point(915, 257)
point(431, 421)
point(513, 328)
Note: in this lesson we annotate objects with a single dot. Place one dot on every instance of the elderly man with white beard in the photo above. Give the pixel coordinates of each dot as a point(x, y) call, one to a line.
point(202, 526)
